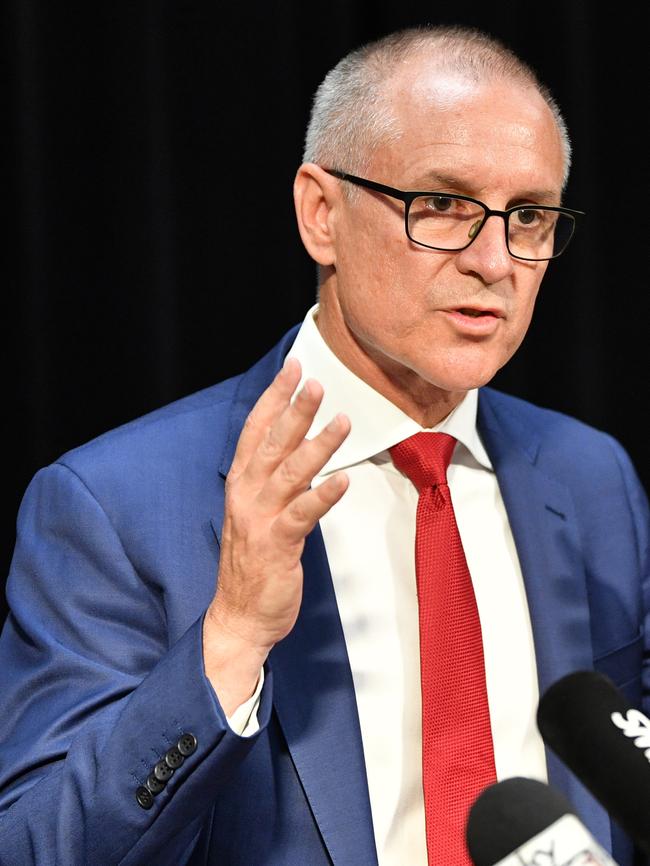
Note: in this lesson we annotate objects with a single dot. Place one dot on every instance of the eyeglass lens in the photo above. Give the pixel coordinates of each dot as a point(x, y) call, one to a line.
point(451, 224)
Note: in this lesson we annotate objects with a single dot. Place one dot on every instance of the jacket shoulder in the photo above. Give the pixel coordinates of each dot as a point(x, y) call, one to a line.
point(541, 422)
point(193, 425)
point(563, 446)
point(180, 425)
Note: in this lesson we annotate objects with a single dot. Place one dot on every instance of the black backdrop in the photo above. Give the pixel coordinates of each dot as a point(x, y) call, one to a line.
point(151, 152)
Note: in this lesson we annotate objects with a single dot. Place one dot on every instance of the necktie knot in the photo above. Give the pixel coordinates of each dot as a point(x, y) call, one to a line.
point(424, 458)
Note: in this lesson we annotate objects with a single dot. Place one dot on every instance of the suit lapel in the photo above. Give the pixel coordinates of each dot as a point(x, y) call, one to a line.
point(316, 706)
point(313, 689)
point(541, 515)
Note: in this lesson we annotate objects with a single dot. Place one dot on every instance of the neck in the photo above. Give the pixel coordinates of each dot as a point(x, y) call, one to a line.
point(425, 403)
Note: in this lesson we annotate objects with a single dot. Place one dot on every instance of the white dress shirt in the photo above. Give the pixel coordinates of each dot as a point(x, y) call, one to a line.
point(369, 538)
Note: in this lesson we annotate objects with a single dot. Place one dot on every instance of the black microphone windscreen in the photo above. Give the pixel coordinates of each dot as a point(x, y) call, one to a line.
point(591, 726)
point(508, 814)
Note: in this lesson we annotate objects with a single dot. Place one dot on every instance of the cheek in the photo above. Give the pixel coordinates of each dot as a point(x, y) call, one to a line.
point(389, 302)
point(371, 278)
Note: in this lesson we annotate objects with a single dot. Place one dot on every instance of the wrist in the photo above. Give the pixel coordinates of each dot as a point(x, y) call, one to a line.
point(232, 663)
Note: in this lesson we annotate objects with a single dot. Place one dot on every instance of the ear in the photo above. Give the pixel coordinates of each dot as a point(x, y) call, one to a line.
point(316, 194)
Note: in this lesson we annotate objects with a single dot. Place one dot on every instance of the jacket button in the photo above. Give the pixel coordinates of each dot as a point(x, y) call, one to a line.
point(173, 758)
point(144, 797)
point(187, 744)
point(154, 785)
point(162, 771)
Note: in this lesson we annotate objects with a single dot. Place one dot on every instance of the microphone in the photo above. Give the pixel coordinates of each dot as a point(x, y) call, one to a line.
point(605, 741)
point(523, 822)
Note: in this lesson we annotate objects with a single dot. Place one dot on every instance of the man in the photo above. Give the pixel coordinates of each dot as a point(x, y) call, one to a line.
point(278, 719)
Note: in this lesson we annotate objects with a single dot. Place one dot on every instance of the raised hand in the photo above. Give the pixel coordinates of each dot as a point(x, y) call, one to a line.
point(269, 510)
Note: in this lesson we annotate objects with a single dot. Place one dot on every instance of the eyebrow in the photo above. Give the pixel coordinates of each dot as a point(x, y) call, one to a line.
point(431, 180)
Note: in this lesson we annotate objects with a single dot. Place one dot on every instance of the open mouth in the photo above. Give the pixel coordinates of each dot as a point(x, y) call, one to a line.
point(475, 314)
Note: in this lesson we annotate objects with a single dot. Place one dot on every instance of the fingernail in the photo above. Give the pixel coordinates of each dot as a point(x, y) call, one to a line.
point(334, 423)
point(305, 391)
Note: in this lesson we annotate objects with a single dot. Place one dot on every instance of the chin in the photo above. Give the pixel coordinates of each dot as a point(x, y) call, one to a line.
point(461, 381)
point(464, 374)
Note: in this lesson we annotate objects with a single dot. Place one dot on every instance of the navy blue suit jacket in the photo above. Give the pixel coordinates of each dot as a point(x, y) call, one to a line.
point(101, 665)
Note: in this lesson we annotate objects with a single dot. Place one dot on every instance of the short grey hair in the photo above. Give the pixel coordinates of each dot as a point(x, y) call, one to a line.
point(351, 117)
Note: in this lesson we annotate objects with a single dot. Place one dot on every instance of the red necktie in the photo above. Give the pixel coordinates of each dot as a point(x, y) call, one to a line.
point(457, 751)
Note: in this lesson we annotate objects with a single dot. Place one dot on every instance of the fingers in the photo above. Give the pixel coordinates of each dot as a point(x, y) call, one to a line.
point(300, 517)
point(273, 401)
point(274, 461)
point(295, 473)
point(286, 434)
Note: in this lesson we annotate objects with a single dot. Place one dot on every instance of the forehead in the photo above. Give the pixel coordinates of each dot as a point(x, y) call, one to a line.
point(498, 135)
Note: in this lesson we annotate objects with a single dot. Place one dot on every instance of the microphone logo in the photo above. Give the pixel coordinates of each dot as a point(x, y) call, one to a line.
point(565, 842)
point(635, 724)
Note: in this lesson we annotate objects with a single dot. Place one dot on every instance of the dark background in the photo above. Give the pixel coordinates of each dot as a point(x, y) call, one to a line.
point(151, 250)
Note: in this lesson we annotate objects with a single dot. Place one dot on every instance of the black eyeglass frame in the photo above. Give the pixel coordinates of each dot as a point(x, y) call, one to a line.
point(409, 196)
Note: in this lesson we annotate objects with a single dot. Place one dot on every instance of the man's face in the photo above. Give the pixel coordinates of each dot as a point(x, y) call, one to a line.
point(408, 312)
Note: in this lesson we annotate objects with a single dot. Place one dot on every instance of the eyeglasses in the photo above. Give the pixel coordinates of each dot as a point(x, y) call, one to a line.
point(451, 222)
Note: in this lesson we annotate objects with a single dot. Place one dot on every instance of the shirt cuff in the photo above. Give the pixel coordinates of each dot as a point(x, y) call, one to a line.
point(244, 719)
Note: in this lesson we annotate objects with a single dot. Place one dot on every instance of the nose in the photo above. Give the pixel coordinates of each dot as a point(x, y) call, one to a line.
point(488, 254)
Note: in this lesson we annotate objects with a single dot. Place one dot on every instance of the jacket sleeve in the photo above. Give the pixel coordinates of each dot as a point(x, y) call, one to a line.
point(94, 698)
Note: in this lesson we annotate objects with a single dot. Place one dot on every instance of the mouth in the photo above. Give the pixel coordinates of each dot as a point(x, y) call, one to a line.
point(474, 322)
point(476, 313)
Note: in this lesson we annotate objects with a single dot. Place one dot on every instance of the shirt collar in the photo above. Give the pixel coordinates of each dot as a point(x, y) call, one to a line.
point(377, 424)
